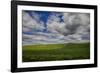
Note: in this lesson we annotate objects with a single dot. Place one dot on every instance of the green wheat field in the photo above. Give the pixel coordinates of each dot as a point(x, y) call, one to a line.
point(53, 52)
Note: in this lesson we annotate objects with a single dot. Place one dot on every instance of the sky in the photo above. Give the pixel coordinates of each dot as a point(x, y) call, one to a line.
point(44, 27)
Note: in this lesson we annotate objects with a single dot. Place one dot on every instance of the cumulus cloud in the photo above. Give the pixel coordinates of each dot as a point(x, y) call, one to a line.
point(30, 23)
point(54, 24)
point(42, 38)
point(75, 27)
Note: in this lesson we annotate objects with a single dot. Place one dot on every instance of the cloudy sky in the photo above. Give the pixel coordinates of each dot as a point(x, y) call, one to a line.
point(43, 27)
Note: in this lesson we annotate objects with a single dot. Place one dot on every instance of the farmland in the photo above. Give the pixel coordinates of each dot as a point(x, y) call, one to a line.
point(53, 52)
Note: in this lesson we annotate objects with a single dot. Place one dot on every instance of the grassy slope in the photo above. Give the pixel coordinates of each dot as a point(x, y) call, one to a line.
point(50, 52)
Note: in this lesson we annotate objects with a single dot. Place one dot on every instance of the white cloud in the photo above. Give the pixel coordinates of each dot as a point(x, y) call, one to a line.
point(54, 24)
point(30, 23)
point(76, 22)
point(74, 27)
